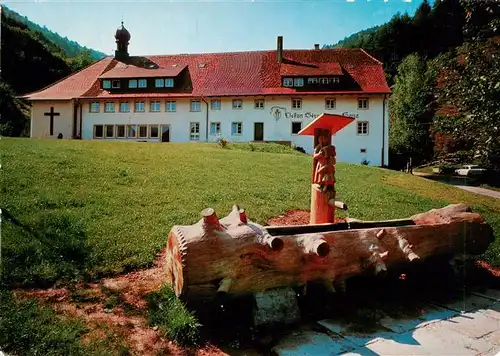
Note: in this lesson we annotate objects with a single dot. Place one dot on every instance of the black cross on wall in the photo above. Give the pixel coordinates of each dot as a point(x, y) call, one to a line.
point(51, 114)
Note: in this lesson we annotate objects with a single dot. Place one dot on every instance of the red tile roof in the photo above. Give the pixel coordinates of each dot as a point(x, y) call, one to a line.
point(229, 74)
point(294, 69)
point(122, 70)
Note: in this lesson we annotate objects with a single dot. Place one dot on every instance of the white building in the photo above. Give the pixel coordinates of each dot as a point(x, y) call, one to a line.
point(242, 96)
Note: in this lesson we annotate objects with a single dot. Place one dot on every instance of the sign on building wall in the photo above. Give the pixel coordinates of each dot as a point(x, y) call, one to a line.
point(279, 112)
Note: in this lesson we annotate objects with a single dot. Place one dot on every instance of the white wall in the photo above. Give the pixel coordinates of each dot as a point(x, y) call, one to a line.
point(347, 141)
point(40, 124)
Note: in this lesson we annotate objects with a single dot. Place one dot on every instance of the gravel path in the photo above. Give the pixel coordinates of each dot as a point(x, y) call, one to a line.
point(482, 191)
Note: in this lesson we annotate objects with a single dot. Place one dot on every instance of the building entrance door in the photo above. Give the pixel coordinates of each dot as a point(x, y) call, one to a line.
point(165, 133)
point(258, 131)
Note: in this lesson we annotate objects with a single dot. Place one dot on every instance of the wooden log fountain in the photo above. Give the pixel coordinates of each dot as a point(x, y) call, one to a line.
point(234, 255)
point(237, 256)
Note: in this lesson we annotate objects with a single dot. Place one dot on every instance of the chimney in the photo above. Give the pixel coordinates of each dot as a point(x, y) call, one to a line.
point(279, 51)
point(316, 46)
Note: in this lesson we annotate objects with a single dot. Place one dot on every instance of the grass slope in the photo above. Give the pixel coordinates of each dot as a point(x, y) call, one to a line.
point(75, 208)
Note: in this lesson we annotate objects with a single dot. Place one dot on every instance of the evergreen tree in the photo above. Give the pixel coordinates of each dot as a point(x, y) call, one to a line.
point(482, 19)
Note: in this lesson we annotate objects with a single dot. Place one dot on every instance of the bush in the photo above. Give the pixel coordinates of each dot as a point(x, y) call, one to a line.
point(223, 142)
point(264, 147)
point(447, 168)
point(300, 149)
point(173, 319)
point(50, 248)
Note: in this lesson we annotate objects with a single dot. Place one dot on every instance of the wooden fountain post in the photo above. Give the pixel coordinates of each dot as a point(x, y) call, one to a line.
point(324, 159)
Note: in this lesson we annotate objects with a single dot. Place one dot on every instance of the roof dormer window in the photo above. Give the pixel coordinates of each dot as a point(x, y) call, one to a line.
point(106, 84)
point(288, 82)
point(298, 82)
point(132, 83)
point(115, 84)
point(169, 82)
point(143, 83)
point(159, 83)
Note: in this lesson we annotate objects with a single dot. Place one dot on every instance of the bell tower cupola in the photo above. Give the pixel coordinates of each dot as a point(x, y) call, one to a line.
point(122, 37)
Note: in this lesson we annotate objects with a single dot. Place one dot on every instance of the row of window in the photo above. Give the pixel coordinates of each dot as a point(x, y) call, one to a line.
point(299, 82)
point(153, 131)
point(237, 128)
point(215, 104)
point(126, 131)
point(138, 83)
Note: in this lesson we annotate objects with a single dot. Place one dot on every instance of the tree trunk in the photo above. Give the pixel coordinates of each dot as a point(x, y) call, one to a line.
point(237, 256)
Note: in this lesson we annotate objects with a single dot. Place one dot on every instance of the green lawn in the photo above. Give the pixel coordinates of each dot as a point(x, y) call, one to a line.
point(75, 208)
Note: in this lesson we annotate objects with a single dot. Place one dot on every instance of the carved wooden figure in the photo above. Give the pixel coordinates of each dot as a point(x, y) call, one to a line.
point(324, 159)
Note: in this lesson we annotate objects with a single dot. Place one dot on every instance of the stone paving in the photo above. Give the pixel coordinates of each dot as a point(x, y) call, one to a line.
point(468, 326)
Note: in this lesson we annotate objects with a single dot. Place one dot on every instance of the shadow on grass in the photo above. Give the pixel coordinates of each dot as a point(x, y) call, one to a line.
point(50, 248)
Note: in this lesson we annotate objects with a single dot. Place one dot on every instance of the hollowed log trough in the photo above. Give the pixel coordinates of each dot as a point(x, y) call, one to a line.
point(236, 256)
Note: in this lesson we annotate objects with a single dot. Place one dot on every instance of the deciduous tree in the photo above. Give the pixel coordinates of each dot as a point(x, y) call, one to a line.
point(470, 84)
point(410, 110)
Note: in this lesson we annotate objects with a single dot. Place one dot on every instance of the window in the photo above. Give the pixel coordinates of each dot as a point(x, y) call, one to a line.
point(194, 131)
point(106, 84)
point(139, 106)
point(143, 131)
point(132, 131)
point(363, 103)
point(110, 131)
point(236, 128)
point(154, 106)
point(124, 107)
point(312, 81)
point(120, 131)
point(159, 83)
point(362, 150)
point(110, 107)
point(132, 83)
point(195, 105)
point(94, 106)
point(171, 105)
point(153, 131)
point(335, 80)
point(288, 82)
point(143, 83)
point(98, 131)
point(237, 104)
point(296, 103)
point(324, 80)
point(214, 128)
point(115, 84)
point(215, 104)
point(330, 103)
point(259, 103)
point(296, 127)
point(298, 82)
point(169, 83)
point(362, 127)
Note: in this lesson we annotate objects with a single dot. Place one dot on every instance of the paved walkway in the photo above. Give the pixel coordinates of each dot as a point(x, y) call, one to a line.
point(470, 326)
point(482, 191)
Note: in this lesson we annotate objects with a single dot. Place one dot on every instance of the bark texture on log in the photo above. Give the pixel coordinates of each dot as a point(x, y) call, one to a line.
point(235, 255)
